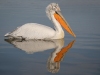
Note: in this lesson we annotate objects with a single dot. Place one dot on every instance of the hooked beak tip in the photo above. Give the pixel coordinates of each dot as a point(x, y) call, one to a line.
point(74, 36)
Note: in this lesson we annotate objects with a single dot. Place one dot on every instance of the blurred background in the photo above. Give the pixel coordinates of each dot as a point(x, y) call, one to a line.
point(82, 15)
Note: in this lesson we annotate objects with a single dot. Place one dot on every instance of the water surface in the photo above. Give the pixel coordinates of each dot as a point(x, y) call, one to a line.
point(80, 55)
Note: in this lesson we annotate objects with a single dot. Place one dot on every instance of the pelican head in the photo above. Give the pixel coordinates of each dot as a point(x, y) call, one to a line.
point(53, 9)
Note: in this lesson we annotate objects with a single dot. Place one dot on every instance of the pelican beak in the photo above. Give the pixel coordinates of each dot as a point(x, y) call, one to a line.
point(58, 16)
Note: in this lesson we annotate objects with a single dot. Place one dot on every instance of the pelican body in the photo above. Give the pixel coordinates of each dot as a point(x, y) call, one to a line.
point(39, 31)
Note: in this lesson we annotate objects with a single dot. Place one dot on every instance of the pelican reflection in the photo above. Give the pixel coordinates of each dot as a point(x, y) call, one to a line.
point(57, 56)
point(32, 46)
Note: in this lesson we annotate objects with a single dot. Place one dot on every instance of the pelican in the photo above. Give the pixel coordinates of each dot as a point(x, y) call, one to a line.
point(39, 31)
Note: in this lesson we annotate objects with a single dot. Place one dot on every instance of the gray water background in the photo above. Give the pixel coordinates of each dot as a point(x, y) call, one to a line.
point(82, 59)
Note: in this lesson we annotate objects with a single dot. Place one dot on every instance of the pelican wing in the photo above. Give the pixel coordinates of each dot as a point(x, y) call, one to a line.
point(33, 31)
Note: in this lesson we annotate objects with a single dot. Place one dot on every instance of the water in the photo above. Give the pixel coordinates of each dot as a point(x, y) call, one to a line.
point(75, 56)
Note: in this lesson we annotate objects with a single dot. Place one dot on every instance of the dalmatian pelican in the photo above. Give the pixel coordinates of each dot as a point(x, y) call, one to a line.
point(39, 31)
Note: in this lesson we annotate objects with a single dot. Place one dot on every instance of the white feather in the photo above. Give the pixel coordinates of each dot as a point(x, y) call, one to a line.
point(32, 31)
